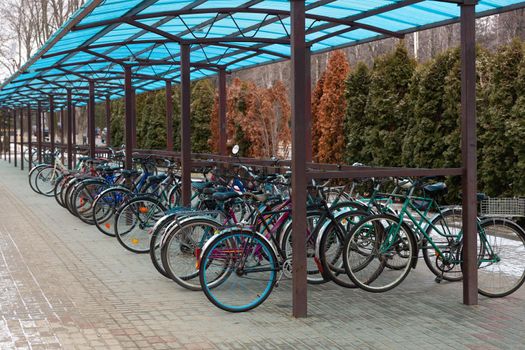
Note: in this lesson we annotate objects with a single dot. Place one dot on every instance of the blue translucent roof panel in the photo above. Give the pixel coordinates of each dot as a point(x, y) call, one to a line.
point(104, 35)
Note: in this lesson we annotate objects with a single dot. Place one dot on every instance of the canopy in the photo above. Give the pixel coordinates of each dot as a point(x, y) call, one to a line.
point(105, 35)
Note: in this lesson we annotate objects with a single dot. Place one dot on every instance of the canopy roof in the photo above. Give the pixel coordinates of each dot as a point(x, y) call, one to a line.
point(105, 35)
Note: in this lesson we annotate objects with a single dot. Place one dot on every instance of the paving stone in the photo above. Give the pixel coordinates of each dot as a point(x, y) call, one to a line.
point(65, 285)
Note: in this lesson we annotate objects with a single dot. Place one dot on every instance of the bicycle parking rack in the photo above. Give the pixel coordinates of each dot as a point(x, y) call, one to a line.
point(312, 27)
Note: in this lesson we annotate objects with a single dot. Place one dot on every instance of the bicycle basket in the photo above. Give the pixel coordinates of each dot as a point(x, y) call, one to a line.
point(48, 158)
point(503, 207)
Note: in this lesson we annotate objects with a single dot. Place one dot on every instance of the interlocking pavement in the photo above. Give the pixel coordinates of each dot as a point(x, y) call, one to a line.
point(65, 285)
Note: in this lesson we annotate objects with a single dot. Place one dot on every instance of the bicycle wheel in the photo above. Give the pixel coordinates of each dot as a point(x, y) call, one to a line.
point(182, 247)
point(238, 270)
point(501, 266)
point(174, 196)
point(105, 207)
point(67, 193)
point(134, 222)
point(26, 155)
point(445, 234)
point(375, 244)
point(33, 175)
point(61, 181)
point(84, 196)
point(313, 226)
point(330, 247)
point(46, 180)
point(156, 241)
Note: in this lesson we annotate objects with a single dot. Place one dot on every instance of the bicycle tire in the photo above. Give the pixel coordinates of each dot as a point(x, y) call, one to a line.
point(448, 220)
point(84, 196)
point(139, 239)
point(371, 270)
point(330, 247)
point(32, 176)
point(225, 294)
point(180, 250)
point(106, 205)
point(510, 250)
point(313, 273)
point(46, 180)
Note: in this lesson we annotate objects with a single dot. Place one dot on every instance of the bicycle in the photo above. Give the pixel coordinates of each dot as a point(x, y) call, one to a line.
point(381, 250)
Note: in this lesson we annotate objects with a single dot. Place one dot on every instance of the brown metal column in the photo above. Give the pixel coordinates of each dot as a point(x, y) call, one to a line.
point(185, 107)
point(21, 138)
point(62, 126)
point(51, 122)
point(133, 119)
point(299, 100)
point(4, 128)
point(91, 119)
point(39, 131)
point(29, 138)
point(9, 137)
point(69, 131)
point(223, 98)
point(308, 107)
point(74, 127)
point(16, 144)
point(468, 150)
point(128, 89)
point(108, 121)
point(169, 116)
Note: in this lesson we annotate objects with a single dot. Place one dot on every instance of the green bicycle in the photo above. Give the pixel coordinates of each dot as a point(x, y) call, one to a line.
point(380, 251)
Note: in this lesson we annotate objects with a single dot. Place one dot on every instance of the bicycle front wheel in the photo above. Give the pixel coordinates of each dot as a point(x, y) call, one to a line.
point(501, 267)
point(379, 253)
point(238, 270)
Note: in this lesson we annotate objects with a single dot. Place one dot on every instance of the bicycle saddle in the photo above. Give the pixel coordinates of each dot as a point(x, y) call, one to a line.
point(156, 178)
point(224, 196)
point(212, 190)
point(435, 189)
point(129, 173)
point(199, 186)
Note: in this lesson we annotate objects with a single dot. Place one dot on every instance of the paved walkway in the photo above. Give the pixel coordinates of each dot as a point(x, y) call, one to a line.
point(64, 285)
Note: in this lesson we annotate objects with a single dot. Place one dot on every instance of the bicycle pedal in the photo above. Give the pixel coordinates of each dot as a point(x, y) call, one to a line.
point(438, 279)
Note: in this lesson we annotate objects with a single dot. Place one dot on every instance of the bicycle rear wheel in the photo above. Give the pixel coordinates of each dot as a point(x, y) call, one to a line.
point(157, 239)
point(375, 244)
point(331, 243)
point(238, 270)
point(181, 249)
point(313, 223)
point(46, 180)
point(445, 234)
point(134, 222)
point(84, 196)
point(105, 207)
point(33, 175)
point(501, 267)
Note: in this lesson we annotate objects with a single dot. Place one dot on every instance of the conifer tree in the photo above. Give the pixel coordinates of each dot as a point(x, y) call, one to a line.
point(213, 141)
point(497, 155)
point(202, 95)
point(317, 94)
point(389, 82)
point(428, 127)
point(515, 131)
point(356, 94)
point(332, 110)
point(117, 123)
